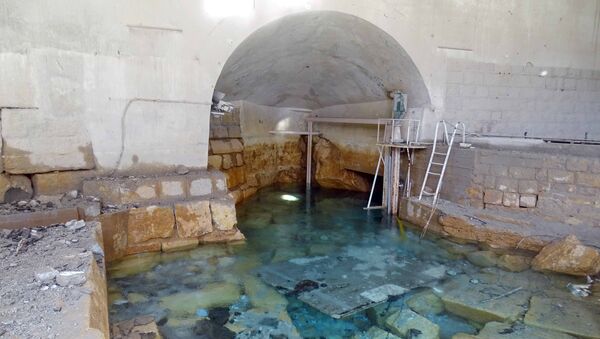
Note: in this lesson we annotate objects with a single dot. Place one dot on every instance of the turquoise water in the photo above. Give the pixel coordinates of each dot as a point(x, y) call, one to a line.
point(282, 223)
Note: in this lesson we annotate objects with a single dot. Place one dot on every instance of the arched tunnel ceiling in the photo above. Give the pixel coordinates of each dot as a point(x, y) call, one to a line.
point(319, 59)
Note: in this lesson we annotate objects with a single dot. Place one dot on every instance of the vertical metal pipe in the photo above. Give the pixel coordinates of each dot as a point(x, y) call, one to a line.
point(309, 155)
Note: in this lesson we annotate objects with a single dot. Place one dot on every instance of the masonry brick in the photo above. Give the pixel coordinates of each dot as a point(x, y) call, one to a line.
point(150, 222)
point(227, 162)
point(510, 199)
point(239, 159)
point(499, 170)
point(522, 172)
point(200, 187)
point(139, 191)
point(507, 184)
point(223, 214)
point(492, 197)
point(528, 200)
point(528, 186)
point(234, 131)
point(577, 164)
point(55, 183)
point(172, 188)
point(560, 176)
point(193, 218)
point(489, 181)
point(226, 146)
point(215, 161)
point(219, 132)
point(588, 179)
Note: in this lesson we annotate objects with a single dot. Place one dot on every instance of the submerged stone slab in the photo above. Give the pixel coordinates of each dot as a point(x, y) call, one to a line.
point(376, 333)
point(425, 303)
point(475, 299)
point(351, 280)
point(497, 330)
point(409, 324)
point(212, 295)
point(578, 318)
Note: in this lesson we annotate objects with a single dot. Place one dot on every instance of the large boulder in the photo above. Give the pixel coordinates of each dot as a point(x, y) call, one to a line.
point(568, 256)
point(331, 174)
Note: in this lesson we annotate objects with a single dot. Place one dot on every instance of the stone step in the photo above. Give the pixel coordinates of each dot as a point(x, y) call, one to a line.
point(156, 189)
point(169, 226)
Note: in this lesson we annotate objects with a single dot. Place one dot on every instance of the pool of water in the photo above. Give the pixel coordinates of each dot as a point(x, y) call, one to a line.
point(283, 223)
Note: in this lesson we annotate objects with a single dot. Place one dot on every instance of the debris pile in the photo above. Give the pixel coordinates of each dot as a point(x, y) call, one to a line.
point(45, 273)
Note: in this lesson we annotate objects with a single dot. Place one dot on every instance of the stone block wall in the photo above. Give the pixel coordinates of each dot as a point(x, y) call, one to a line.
point(558, 181)
point(164, 213)
point(264, 160)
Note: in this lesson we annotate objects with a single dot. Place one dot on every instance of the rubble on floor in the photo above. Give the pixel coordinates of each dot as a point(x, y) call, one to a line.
point(53, 283)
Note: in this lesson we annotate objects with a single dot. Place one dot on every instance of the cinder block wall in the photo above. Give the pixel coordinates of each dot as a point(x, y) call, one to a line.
point(559, 181)
point(512, 100)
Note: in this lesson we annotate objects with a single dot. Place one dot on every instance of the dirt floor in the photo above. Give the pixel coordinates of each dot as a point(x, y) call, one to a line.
point(42, 274)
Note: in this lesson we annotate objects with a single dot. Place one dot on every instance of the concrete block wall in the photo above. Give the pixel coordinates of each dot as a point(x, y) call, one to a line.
point(511, 100)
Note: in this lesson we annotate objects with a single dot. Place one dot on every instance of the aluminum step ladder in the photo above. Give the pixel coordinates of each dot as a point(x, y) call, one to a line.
point(439, 160)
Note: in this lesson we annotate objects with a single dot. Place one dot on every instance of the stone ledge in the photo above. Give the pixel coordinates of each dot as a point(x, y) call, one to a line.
point(138, 230)
point(156, 189)
point(497, 229)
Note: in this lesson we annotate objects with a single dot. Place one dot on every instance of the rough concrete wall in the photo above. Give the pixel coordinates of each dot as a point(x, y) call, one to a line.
point(514, 100)
point(81, 64)
point(86, 82)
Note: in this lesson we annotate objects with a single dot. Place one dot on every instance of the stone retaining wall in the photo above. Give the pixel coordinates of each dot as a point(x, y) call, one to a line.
point(164, 213)
point(560, 181)
point(250, 166)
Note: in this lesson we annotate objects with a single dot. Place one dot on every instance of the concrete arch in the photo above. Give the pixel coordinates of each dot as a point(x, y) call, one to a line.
point(316, 59)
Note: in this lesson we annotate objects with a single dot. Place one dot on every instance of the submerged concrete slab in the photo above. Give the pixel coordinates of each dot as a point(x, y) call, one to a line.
point(351, 280)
